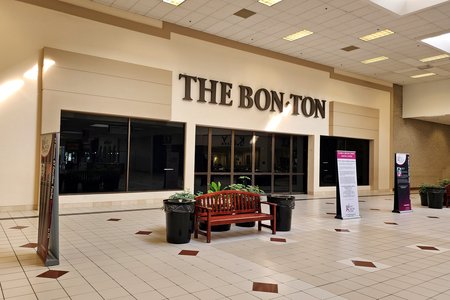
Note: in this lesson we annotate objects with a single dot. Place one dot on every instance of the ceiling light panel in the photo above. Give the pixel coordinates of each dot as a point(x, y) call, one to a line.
point(375, 59)
point(433, 58)
point(174, 2)
point(423, 75)
point(298, 35)
point(376, 35)
point(269, 2)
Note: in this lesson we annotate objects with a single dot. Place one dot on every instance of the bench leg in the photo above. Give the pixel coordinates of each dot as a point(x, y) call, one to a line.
point(196, 229)
point(259, 225)
point(208, 233)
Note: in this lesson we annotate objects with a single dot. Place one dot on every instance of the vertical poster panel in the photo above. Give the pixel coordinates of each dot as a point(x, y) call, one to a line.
point(47, 248)
point(402, 200)
point(347, 187)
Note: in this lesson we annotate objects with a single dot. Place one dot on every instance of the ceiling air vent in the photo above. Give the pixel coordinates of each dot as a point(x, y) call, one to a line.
point(350, 48)
point(244, 13)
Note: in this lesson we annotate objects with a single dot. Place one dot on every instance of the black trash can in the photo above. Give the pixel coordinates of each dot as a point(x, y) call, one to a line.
point(179, 220)
point(436, 197)
point(285, 205)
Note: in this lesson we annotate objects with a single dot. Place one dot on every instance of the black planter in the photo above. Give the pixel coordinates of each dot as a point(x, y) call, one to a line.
point(436, 197)
point(285, 205)
point(179, 220)
point(423, 198)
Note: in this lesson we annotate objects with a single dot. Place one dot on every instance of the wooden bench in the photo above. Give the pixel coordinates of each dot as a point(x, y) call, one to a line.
point(230, 207)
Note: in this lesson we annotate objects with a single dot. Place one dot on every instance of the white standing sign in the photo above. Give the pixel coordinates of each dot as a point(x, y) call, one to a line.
point(347, 185)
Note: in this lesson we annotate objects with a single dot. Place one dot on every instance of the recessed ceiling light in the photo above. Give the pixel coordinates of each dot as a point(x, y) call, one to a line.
point(174, 2)
point(423, 75)
point(298, 35)
point(350, 48)
point(432, 58)
point(375, 59)
point(441, 42)
point(376, 35)
point(269, 2)
point(244, 13)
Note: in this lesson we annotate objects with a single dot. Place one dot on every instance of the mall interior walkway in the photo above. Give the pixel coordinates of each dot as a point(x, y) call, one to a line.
point(123, 254)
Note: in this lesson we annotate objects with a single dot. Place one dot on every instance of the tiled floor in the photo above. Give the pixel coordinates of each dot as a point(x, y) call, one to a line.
point(320, 258)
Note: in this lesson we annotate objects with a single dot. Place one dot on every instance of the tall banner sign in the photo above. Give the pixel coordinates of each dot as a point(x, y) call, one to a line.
point(347, 206)
point(402, 200)
point(48, 231)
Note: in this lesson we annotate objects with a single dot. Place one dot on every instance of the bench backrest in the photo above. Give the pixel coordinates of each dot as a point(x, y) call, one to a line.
point(228, 202)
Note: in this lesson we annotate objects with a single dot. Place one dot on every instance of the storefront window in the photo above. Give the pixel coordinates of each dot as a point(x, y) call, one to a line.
point(243, 151)
point(328, 148)
point(156, 156)
point(251, 155)
point(93, 153)
point(263, 152)
point(221, 150)
point(282, 153)
point(96, 156)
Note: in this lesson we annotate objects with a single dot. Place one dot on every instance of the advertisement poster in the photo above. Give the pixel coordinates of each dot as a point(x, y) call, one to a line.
point(402, 200)
point(347, 206)
point(47, 248)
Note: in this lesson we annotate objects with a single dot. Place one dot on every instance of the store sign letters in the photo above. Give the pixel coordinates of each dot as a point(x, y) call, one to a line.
point(219, 92)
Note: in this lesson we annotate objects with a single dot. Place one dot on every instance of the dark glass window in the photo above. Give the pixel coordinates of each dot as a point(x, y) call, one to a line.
point(243, 151)
point(282, 153)
point(328, 148)
point(93, 153)
point(251, 155)
point(221, 150)
point(201, 149)
point(156, 156)
point(263, 152)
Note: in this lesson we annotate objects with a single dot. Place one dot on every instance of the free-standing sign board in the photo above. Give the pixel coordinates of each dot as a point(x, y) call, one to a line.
point(402, 200)
point(48, 241)
point(347, 206)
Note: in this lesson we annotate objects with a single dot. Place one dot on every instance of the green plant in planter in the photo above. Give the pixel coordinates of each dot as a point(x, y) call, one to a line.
point(424, 187)
point(214, 187)
point(444, 182)
point(245, 187)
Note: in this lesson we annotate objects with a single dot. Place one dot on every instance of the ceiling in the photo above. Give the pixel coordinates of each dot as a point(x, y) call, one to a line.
point(336, 24)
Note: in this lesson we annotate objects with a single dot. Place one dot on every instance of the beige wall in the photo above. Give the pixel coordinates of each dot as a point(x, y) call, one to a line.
point(29, 29)
point(427, 143)
point(426, 99)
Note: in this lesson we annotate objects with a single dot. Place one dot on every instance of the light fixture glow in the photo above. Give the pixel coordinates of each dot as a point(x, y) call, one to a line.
point(33, 72)
point(375, 59)
point(269, 2)
point(404, 7)
point(10, 87)
point(174, 2)
point(441, 42)
point(423, 75)
point(298, 35)
point(376, 35)
point(433, 58)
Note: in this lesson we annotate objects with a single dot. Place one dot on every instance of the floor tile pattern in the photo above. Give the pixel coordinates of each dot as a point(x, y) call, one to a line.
point(188, 252)
point(52, 274)
point(107, 260)
point(265, 287)
point(280, 240)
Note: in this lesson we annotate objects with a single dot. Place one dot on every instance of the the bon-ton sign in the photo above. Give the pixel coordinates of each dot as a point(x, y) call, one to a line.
point(219, 92)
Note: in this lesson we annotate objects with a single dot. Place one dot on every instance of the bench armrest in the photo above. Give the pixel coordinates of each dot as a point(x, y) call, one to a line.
point(268, 203)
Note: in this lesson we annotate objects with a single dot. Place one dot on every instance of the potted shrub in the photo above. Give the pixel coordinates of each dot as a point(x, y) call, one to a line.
point(179, 209)
point(423, 189)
